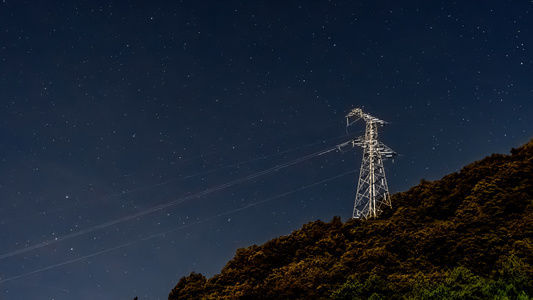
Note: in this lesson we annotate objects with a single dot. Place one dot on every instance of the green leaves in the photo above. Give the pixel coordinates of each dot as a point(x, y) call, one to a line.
point(375, 287)
point(512, 283)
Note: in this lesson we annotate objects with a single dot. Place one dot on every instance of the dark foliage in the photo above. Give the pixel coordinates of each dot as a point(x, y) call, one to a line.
point(466, 236)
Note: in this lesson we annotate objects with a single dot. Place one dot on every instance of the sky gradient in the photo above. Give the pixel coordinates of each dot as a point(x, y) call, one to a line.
point(143, 140)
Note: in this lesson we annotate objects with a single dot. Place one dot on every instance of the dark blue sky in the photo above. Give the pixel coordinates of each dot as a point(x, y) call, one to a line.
point(140, 141)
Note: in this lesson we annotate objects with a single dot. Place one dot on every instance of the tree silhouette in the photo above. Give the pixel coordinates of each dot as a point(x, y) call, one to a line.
point(466, 236)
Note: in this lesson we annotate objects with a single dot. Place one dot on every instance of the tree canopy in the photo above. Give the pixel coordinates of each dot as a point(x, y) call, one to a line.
point(465, 236)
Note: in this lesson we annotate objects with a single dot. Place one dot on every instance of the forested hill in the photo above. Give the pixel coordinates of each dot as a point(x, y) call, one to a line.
point(466, 236)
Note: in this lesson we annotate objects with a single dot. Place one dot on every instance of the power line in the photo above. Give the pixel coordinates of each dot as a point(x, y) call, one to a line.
point(168, 204)
point(2, 280)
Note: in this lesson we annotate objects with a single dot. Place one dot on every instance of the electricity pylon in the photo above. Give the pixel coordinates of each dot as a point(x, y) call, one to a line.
point(372, 189)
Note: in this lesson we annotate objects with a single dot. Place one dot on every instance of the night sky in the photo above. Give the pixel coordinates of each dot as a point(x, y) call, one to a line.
point(144, 140)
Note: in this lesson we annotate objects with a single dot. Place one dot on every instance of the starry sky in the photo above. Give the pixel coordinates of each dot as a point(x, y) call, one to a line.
point(144, 140)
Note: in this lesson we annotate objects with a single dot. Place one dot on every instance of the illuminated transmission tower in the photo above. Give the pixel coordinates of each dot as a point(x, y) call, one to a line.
point(372, 189)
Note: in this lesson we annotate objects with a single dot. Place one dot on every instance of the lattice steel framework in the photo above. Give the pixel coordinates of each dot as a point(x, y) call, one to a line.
point(372, 189)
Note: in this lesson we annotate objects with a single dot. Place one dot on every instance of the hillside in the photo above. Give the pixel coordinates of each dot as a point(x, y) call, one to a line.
point(466, 236)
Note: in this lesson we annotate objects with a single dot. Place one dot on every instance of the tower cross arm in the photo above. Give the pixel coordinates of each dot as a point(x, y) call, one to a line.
point(385, 151)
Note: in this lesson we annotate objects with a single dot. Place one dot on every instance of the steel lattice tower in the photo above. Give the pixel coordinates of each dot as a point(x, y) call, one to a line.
point(372, 189)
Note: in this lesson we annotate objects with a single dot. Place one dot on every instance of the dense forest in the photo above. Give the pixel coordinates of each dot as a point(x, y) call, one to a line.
point(465, 236)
